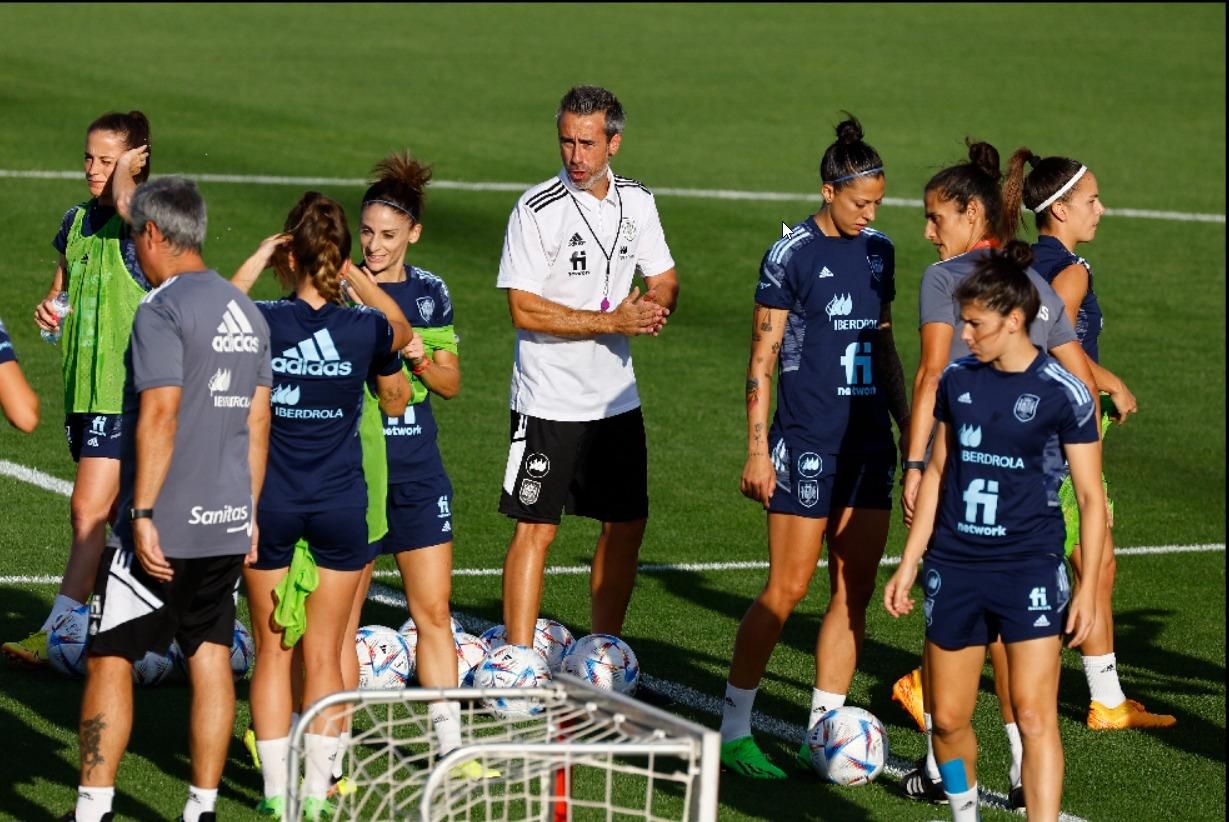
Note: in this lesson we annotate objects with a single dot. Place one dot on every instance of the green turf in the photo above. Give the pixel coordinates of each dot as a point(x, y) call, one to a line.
point(718, 96)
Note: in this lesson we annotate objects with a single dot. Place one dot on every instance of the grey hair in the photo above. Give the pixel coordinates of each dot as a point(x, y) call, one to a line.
point(590, 100)
point(174, 205)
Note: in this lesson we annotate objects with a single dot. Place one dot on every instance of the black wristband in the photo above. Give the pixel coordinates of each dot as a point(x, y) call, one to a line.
point(140, 513)
point(907, 465)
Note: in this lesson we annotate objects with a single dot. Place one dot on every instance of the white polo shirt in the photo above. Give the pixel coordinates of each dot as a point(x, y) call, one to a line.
point(556, 246)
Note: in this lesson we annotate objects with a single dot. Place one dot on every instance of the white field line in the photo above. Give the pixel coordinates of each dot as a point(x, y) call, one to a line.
point(696, 193)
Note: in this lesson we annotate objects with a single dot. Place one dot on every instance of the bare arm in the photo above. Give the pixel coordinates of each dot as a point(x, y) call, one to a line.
point(155, 435)
point(439, 370)
point(259, 417)
point(896, 593)
point(249, 272)
point(663, 290)
point(17, 398)
point(394, 392)
point(936, 350)
point(1072, 285)
point(1072, 357)
point(368, 292)
point(1084, 460)
point(631, 317)
point(123, 179)
point(891, 377)
point(759, 478)
point(44, 317)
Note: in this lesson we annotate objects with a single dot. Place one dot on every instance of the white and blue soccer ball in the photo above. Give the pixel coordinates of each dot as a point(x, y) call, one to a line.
point(848, 746)
point(512, 666)
point(153, 668)
point(383, 660)
point(242, 650)
point(604, 661)
point(409, 632)
point(66, 641)
point(550, 638)
point(470, 651)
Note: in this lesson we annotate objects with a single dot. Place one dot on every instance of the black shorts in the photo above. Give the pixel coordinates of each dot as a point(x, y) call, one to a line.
point(596, 469)
point(94, 435)
point(419, 514)
point(132, 613)
point(337, 538)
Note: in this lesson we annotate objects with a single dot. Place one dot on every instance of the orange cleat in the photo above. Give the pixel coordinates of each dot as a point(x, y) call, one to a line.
point(1130, 714)
point(908, 692)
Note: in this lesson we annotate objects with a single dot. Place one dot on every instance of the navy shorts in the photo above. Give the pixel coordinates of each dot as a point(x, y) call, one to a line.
point(597, 469)
point(810, 484)
point(337, 538)
point(419, 514)
point(133, 613)
point(94, 435)
point(972, 606)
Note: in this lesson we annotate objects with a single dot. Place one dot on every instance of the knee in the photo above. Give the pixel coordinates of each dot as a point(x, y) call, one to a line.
point(853, 596)
point(433, 616)
point(1034, 722)
point(947, 723)
point(532, 538)
point(782, 597)
point(87, 513)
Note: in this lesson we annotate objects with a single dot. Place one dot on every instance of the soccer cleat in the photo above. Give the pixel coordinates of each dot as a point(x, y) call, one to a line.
point(249, 742)
point(908, 692)
point(316, 809)
point(32, 650)
point(1015, 799)
point(917, 785)
point(1130, 714)
point(270, 806)
point(803, 758)
point(474, 771)
point(342, 787)
point(744, 757)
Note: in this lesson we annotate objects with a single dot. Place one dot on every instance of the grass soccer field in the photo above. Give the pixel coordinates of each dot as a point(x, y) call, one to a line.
point(730, 99)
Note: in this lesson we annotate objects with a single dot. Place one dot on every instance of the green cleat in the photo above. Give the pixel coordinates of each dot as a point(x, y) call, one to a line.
point(803, 758)
point(315, 809)
point(344, 786)
point(32, 650)
point(744, 757)
point(474, 771)
point(270, 806)
point(249, 742)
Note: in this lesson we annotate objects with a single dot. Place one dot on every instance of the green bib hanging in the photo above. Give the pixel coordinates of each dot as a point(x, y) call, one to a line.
point(375, 465)
point(104, 299)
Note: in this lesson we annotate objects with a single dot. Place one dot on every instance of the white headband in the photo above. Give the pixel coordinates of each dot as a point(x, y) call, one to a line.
point(1053, 198)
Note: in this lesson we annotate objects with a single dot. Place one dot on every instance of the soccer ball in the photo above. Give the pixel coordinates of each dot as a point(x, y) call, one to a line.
point(153, 668)
point(409, 632)
point(848, 746)
point(470, 651)
point(605, 661)
point(383, 660)
point(551, 639)
point(512, 666)
point(242, 650)
point(66, 641)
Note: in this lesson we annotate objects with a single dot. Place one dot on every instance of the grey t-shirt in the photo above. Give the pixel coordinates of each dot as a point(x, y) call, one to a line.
point(937, 304)
point(197, 332)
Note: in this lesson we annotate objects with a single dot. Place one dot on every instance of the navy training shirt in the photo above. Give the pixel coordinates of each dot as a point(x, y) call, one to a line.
point(1051, 258)
point(998, 501)
point(96, 216)
point(7, 354)
point(321, 359)
point(413, 452)
point(835, 289)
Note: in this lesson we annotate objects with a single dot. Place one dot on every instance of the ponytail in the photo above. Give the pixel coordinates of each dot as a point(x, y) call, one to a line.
point(320, 243)
point(401, 184)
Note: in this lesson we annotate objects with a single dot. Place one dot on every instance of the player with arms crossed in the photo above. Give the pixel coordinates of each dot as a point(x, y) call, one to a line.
point(197, 392)
point(100, 272)
point(825, 469)
point(572, 247)
point(987, 519)
point(1065, 199)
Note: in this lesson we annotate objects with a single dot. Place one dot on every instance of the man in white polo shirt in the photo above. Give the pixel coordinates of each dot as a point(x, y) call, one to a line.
point(573, 245)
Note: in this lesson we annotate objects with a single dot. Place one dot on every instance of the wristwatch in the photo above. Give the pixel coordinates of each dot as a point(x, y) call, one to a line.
point(140, 513)
point(907, 465)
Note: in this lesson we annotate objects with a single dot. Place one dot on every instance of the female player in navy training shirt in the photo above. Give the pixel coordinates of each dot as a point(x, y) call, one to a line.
point(323, 352)
point(1064, 197)
point(988, 522)
point(825, 468)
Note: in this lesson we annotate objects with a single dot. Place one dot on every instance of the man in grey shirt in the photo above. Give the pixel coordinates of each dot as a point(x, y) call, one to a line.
point(198, 394)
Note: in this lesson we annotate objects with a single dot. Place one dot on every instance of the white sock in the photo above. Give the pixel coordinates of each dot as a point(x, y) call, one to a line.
point(736, 715)
point(273, 754)
point(1017, 753)
point(1102, 675)
point(964, 805)
point(321, 751)
point(59, 606)
point(932, 765)
point(199, 801)
point(339, 763)
point(92, 803)
point(446, 719)
point(821, 703)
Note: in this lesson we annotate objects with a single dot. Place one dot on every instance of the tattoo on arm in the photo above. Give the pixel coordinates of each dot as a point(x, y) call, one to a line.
point(753, 391)
point(766, 325)
point(91, 743)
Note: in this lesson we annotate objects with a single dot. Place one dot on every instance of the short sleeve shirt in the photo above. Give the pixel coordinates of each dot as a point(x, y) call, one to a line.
point(199, 333)
point(1051, 258)
point(999, 495)
point(97, 216)
point(7, 354)
point(321, 358)
point(937, 304)
point(566, 246)
point(829, 396)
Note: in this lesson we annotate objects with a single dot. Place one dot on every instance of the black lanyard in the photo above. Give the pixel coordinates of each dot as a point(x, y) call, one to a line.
point(605, 306)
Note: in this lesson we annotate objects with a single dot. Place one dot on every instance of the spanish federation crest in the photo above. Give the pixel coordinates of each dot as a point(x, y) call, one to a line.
point(426, 308)
point(876, 263)
point(1026, 407)
point(808, 492)
point(628, 229)
point(530, 489)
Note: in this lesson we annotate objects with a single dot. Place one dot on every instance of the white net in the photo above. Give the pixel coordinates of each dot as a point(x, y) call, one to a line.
point(586, 754)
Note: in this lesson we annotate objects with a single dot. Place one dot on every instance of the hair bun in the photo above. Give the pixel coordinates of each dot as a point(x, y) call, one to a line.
point(1019, 253)
point(849, 131)
point(985, 157)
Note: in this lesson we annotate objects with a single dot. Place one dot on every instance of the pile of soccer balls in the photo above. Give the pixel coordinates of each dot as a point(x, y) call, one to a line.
point(387, 659)
point(848, 746)
point(66, 652)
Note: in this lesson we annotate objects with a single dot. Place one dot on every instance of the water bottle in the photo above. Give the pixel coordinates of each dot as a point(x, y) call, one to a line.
point(59, 307)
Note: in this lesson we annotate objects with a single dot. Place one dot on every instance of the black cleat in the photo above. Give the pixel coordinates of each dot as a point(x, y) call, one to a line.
point(1015, 799)
point(917, 785)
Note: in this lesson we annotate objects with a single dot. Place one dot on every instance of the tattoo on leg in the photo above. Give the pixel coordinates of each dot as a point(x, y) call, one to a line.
point(91, 743)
